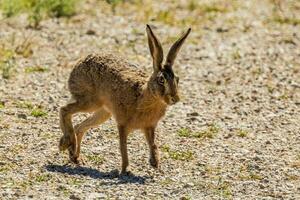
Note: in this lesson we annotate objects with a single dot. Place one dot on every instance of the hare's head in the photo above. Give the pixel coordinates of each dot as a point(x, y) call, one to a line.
point(164, 82)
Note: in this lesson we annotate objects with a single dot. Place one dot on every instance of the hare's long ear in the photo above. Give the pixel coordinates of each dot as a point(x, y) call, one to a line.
point(155, 49)
point(175, 48)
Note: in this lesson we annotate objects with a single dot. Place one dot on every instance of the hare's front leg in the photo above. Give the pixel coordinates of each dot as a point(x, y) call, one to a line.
point(154, 155)
point(123, 133)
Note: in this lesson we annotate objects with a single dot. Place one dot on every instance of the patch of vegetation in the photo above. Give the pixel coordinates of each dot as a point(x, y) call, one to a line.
point(209, 169)
point(25, 48)
point(25, 104)
point(2, 105)
point(249, 174)
point(214, 7)
point(7, 63)
point(178, 155)
point(292, 177)
point(242, 133)
point(192, 5)
point(64, 190)
point(38, 112)
point(286, 20)
point(98, 160)
point(39, 9)
point(223, 189)
point(145, 10)
point(185, 132)
point(35, 110)
point(283, 12)
point(5, 168)
point(42, 178)
point(209, 132)
point(35, 69)
point(166, 181)
point(166, 16)
point(255, 176)
point(75, 181)
point(236, 55)
point(114, 4)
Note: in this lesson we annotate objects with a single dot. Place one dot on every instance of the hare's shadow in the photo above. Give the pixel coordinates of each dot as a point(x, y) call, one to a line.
point(96, 174)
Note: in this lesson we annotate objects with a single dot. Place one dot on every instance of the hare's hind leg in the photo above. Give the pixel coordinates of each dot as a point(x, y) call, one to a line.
point(96, 119)
point(68, 140)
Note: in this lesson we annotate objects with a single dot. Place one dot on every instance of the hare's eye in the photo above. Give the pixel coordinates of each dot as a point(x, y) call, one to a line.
point(161, 80)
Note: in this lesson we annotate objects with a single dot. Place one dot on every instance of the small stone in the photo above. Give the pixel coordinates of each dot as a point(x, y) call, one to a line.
point(72, 196)
point(22, 116)
point(90, 32)
point(193, 114)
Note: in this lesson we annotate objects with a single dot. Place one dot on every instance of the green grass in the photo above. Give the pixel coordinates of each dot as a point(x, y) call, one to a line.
point(210, 132)
point(246, 173)
point(42, 178)
point(35, 110)
point(286, 20)
point(7, 63)
point(213, 8)
point(166, 181)
point(25, 104)
point(2, 105)
point(178, 155)
point(242, 133)
point(25, 48)
point(184, 132)
point(38, 112)
point(35, 69)
point(223, 189)
point(39, 9)
point(236, 55)
point(98, 160)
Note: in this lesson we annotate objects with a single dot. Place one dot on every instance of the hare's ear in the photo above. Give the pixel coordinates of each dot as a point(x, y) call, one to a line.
point(155, 49)
point(175, 48)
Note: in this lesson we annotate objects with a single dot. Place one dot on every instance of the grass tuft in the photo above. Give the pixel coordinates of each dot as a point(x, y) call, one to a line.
point(286, 20)
point(38, 112)
point(95, 159)
point(39, 9)
point(35, 69)
point(242, 133)
point(25, 104)
point(178, 155)
point(209, 132)
point(2, 105)
point(7, 63)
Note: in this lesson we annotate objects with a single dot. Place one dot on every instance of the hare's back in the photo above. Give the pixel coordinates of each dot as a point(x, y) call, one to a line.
point(105, 72)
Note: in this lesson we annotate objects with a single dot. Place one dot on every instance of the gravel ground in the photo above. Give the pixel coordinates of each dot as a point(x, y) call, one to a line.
point(235, 134)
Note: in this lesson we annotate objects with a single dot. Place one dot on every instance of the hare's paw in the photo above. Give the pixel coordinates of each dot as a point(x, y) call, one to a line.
point(154, 162)
point(77, 160)
point(64, 143)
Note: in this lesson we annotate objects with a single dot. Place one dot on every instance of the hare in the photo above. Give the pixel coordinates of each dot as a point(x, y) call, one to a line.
point(109, 86)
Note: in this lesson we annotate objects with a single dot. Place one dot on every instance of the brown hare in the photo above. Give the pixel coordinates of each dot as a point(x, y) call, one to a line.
point(109, 86)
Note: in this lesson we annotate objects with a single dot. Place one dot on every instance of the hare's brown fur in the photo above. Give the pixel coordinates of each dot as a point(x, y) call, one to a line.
point(107, 85)
point(120, 87)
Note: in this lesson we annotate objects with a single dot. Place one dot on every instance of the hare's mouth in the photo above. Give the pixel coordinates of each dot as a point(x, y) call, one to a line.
point(170, 100)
